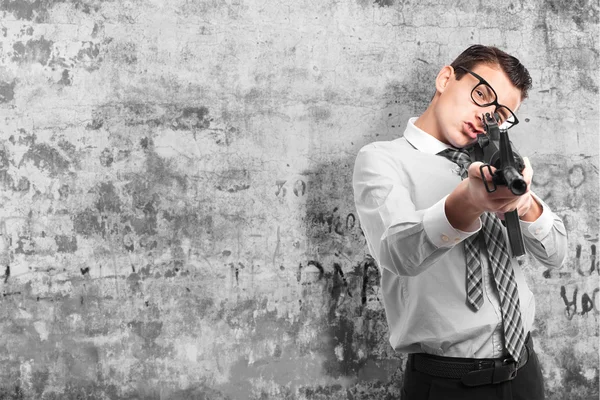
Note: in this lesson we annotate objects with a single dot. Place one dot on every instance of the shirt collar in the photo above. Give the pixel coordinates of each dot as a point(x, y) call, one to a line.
point(421, 140)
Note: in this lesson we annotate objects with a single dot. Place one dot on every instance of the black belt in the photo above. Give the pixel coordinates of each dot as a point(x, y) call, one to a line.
point(472, 371)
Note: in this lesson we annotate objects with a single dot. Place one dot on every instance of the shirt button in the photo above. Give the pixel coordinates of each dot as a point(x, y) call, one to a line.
point(538, 231)
point(456, 240)
point(445, 238)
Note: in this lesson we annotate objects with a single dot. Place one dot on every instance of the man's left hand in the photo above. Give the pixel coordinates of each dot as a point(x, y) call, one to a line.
point(528, 208)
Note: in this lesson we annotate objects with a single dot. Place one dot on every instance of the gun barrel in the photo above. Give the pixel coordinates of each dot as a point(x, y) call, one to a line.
point(515, 181)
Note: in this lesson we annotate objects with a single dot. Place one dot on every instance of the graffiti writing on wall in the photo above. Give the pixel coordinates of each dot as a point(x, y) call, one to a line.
point(586, 270)
point(579, 305)
point(365, 272)
point(337, 222)
point(298, 187)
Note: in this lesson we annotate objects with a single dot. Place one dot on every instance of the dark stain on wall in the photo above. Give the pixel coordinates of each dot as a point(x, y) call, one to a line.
point(188, 222)
point(88, 222)
point(134, 282)
point(89, 55)
point(94, 221)
point(320, 113)
point(341, 333)
point(123, 53)
point(27, 10)
point(323, 392)
point(7, 91)
point(13, 392)
point(97, 121)
point(148, 330)
point(65, 78)
point(6, 180)
point(146, 225)
point(108, 200)
point(22, 185)
point(64, 192)
point(106, 157)
point(25, 245)
point(39, 381)
point(586, 82)
point(177, 255)
point(68, 147)
point(572, 376)
point(582, 12)
point(35, 50)
point(134, 113)
point(82, 389)
point(200, 392)
point(223, 137)
point(192, 118)
point(233, 180)
point(178, 117)
point(98, 29)
point(45, 156)
point(129, 53)
point(384, 3)
point(37, 10)
point(128, 240)
point(4, 158)
point(66, 244)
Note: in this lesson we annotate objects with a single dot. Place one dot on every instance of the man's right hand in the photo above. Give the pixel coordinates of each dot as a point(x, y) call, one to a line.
point(470, 199)
point(502, 200)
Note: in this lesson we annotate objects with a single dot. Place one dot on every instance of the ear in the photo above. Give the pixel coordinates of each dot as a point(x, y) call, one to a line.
point(443, 78)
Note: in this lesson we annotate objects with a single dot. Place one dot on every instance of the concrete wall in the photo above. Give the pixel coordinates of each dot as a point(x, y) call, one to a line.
point(177, 217)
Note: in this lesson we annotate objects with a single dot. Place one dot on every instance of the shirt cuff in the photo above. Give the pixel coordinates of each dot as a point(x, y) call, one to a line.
point(439, 230)
point(541, 227)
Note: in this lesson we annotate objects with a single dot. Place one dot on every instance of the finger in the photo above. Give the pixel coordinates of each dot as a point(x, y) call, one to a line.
point(475, 170)
point(527, 171)
point(502, 194)
point(524, 204)
point(508, 207)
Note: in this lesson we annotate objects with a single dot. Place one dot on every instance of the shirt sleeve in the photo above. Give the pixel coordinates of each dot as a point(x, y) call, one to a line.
point(546, 237)
point(438, 228)
point(402, 238)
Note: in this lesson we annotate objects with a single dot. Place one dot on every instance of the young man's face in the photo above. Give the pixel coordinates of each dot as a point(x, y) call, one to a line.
point(459, 118)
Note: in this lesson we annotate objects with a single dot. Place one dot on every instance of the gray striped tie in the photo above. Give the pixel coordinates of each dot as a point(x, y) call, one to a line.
point(504, 276)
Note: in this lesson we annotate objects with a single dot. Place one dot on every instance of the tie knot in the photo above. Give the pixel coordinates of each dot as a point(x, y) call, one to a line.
point(458, 156)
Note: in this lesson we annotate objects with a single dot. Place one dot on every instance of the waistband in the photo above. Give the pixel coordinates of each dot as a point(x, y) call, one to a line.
point(472, 371)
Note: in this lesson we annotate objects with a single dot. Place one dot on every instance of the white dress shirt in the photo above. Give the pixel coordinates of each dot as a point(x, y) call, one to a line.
point(400, 188)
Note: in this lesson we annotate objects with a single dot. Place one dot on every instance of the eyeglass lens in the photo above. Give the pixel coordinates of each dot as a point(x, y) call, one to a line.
point(483, 96)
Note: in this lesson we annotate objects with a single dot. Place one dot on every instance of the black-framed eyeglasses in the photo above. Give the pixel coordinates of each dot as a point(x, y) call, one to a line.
point(484, 95)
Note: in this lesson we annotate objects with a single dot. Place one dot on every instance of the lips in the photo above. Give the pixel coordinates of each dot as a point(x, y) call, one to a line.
point(471, 130)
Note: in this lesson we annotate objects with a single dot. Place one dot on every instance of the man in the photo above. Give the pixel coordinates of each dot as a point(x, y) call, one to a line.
point(455, 298)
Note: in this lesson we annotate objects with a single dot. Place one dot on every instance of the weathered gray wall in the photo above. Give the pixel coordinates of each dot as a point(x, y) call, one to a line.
point(176, 209)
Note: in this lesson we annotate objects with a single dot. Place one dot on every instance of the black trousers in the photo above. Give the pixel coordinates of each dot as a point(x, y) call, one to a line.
point(527, 385)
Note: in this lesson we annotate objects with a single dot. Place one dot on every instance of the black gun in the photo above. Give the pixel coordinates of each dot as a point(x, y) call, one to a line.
point(495, 149)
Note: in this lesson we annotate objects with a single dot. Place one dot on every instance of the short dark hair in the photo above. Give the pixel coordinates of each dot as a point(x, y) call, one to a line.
point(512, 67)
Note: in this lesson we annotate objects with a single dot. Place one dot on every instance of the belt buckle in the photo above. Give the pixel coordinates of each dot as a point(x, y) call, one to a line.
point(480, 375)
point(505, 370)
point(500, 371)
